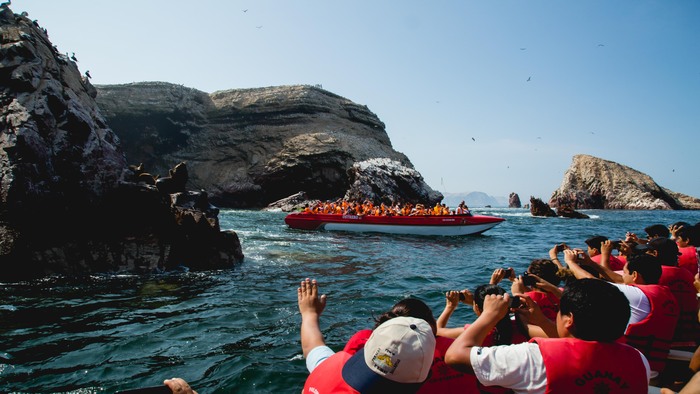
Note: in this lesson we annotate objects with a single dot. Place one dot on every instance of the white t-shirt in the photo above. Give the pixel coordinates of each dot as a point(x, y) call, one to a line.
point(639, 303)
point(518, 367)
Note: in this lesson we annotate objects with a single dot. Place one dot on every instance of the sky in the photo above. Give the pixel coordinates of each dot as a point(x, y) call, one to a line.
point(483, 95)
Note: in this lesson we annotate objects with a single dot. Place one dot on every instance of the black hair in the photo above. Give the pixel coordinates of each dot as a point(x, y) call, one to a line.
point(545, 269)
point(504, 328)
point(666, 250)
point(596, 241)
point(691, 233)
point(599, 309)
point(657, 230)
point(646, 265)
point(412, 307)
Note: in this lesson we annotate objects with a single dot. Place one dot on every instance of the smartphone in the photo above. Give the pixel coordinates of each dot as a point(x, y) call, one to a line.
point(528, 280)
point(515, 302)
point(162, 389)
point(509, 272)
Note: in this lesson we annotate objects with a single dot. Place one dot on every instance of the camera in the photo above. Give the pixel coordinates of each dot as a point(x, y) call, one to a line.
point(616, 244)
point(515, 302)
point(561, 247)
point(528, 280)
point(509, 272)
point(461, 296)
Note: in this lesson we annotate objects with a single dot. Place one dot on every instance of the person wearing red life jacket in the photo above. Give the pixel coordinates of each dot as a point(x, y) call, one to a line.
point(396, 358)
point(442, 379)
point(540, 283)
point(680, 282)
point(580, 355)
point(654, 309)
point(687, 238)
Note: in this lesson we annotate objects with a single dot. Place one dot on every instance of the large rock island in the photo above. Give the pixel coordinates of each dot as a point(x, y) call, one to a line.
point(593, 183)
point(69, 203)
point(251, 147)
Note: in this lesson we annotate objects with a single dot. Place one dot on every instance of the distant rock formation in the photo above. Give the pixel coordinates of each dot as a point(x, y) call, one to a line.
point(250, 147)
point(540, 208)
point(68, 201)
point(593, 183)
point(568, 212)
point(514, 201)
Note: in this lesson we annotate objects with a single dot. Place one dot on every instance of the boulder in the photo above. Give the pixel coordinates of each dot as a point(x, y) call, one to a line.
point(387, 181)
point(593, 183)
point(568, 212)
point(540, 208)
point(514, 201)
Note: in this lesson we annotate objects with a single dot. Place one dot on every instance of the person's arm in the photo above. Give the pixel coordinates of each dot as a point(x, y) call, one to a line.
point(499, 274)
point(458, 354)
point(571, 259)
point(179, 385)
point(311, 306)
point(545, 286)
point(538, 325)
point(555, 251)
point(606, 248)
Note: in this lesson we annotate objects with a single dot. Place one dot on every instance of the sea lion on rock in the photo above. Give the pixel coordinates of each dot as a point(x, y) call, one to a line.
point(175, 182)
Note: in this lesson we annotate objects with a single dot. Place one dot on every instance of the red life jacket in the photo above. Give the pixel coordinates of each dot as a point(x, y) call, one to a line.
point(688, 259)
point(615, 263)
point(548, 302)
point(442, 378)
point(327, 377)
point(578, 366)
point(680, 282)
point(653, 335)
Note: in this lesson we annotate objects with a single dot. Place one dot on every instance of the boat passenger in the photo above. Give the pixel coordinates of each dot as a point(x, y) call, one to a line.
point(409, 340)
point(654, 310)
point(507, 331)
point(442, 379)
point(581, 354)
point(541, 286)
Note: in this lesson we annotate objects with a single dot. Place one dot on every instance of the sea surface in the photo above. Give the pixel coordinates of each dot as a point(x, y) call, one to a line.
point(237, 330)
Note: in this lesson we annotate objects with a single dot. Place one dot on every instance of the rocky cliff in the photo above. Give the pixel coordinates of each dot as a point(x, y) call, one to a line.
point(68, 202)
point(250, 147)
point(593, 183)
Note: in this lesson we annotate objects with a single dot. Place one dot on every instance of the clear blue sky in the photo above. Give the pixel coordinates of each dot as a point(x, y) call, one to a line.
point(619, 80)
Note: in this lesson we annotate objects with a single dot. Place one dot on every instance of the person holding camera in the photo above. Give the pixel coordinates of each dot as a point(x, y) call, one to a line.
point(508, 331)
point(654, 310)
point(581, 355)
point(540, 283)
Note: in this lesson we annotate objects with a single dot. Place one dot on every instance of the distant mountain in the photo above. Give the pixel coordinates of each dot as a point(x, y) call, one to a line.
point(474, 199)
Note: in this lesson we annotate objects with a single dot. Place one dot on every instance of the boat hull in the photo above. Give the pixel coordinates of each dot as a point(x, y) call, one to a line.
point(450, 225)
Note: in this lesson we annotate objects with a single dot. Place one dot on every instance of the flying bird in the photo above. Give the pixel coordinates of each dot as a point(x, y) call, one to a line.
point(473, 139)
point(601, 45)
point(246, 10)
point(258, 27)
point(522, 49)
point(528, 79)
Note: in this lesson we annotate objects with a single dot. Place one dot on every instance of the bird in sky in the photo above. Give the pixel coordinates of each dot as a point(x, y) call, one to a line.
point(473, 139)
point(246, 10)
point(258, 27)
point(522, 49)
point(528, 79)
point(601, 45)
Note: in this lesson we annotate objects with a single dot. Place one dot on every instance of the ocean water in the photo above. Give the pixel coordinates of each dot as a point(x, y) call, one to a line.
point(237, 330)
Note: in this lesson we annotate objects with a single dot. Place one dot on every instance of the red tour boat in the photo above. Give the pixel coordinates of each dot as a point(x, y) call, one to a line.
point(420, 225)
